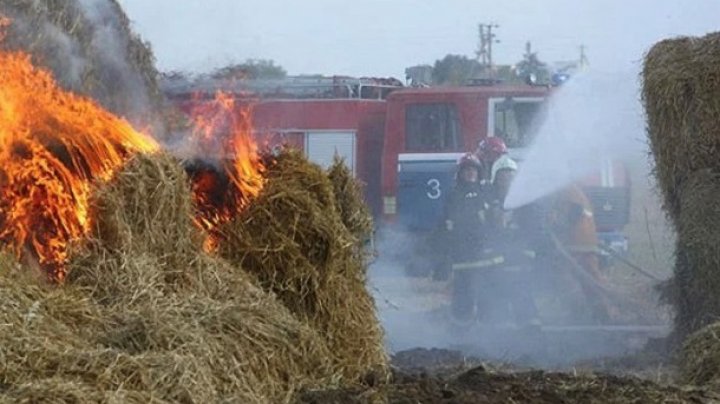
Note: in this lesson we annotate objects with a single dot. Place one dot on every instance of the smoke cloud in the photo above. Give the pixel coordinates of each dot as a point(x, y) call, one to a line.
point(593, 118)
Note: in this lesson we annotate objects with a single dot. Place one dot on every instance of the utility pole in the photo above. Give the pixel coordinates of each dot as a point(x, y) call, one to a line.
point(491, 39)
point(583, 63)
point(486, 38)
point(528, 50)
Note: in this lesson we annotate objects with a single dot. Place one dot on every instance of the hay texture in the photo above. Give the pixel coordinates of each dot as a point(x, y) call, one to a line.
point(293, 238)
point(681, 88)
point(696, 282)
point(349, 201)
point(681, 95)
point(91, 50)
point(146, 316)
point(700, 357)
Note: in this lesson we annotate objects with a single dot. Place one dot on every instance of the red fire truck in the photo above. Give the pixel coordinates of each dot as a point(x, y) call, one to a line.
point(403, 142)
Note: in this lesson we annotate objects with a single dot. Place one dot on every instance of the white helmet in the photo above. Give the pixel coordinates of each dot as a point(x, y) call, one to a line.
point(504, 162)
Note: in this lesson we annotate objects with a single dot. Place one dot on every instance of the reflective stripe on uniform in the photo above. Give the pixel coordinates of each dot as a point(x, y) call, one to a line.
point(479, 264)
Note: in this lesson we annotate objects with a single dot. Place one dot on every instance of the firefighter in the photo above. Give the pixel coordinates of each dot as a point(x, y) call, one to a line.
point(465, 224)
point(491, 150)
point(571, 226)
point(507, 288)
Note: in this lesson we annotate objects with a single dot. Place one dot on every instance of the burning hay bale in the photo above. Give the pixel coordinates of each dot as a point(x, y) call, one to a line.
point(145, 315)
point(681, 93)
point(53, 145)
point(293, 238)
point(91, 50)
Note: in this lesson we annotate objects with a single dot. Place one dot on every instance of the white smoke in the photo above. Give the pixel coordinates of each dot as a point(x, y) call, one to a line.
point(112, 47)
point(594, 117)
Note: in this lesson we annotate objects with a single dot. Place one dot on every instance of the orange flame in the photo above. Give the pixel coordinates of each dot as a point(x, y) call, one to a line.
point(231, 170)
point(53, 144)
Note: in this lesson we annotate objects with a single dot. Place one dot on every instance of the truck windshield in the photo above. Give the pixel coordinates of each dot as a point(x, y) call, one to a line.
point(432, 127)
point(516, 121)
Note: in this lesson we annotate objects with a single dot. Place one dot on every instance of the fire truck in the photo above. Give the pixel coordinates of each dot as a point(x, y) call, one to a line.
point(403, 142)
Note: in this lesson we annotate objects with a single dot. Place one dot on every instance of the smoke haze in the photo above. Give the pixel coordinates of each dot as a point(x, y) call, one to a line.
point(593, 118)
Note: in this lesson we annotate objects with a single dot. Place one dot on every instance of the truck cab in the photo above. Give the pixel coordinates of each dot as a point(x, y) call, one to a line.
point(428, 129)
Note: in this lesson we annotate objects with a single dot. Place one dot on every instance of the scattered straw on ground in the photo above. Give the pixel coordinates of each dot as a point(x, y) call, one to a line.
point(479, 385)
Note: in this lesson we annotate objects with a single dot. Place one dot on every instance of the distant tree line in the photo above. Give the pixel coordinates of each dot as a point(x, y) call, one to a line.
point(251, 69)
point(460, 69)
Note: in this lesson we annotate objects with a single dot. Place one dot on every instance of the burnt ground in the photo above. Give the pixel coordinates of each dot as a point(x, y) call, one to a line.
point(581, 364)
point(443, 376)
point(586, 367)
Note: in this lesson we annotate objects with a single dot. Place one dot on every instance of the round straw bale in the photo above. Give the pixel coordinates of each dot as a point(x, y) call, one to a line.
point(293, 239)
point(681, 95)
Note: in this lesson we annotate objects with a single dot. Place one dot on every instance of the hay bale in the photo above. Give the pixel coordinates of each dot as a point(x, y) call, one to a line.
point(293, 239)
point(146, 316)
point(681, 84)
point(354, 212)
point(696, 279)
point(90, 48)
point(146, 210)
point(700, 357)
point(681, 95)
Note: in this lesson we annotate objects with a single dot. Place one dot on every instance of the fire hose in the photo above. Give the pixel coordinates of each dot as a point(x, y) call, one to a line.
point(578, 271)
point(588, 281)
point(627, 262)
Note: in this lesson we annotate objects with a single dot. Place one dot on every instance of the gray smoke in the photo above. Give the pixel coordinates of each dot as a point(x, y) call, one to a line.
point(111, 41)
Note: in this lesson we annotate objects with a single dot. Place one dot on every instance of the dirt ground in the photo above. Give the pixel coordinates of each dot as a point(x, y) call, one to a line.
point(442, 376)
point(623, 363)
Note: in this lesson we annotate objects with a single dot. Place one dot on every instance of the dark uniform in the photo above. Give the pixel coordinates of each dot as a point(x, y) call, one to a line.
point(492, 256)
point(466, 217)
point(506, 290)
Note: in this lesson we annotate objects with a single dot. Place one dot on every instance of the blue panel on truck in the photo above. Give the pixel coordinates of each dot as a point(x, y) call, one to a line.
point(422, 188)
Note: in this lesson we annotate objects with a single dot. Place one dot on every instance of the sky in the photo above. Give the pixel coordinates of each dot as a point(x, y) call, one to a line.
point(383, 37)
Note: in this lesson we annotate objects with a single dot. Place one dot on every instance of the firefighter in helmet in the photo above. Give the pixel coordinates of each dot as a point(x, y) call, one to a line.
point(505, 290)
point(466, 205)
point(465, 224)
point(491, 150)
